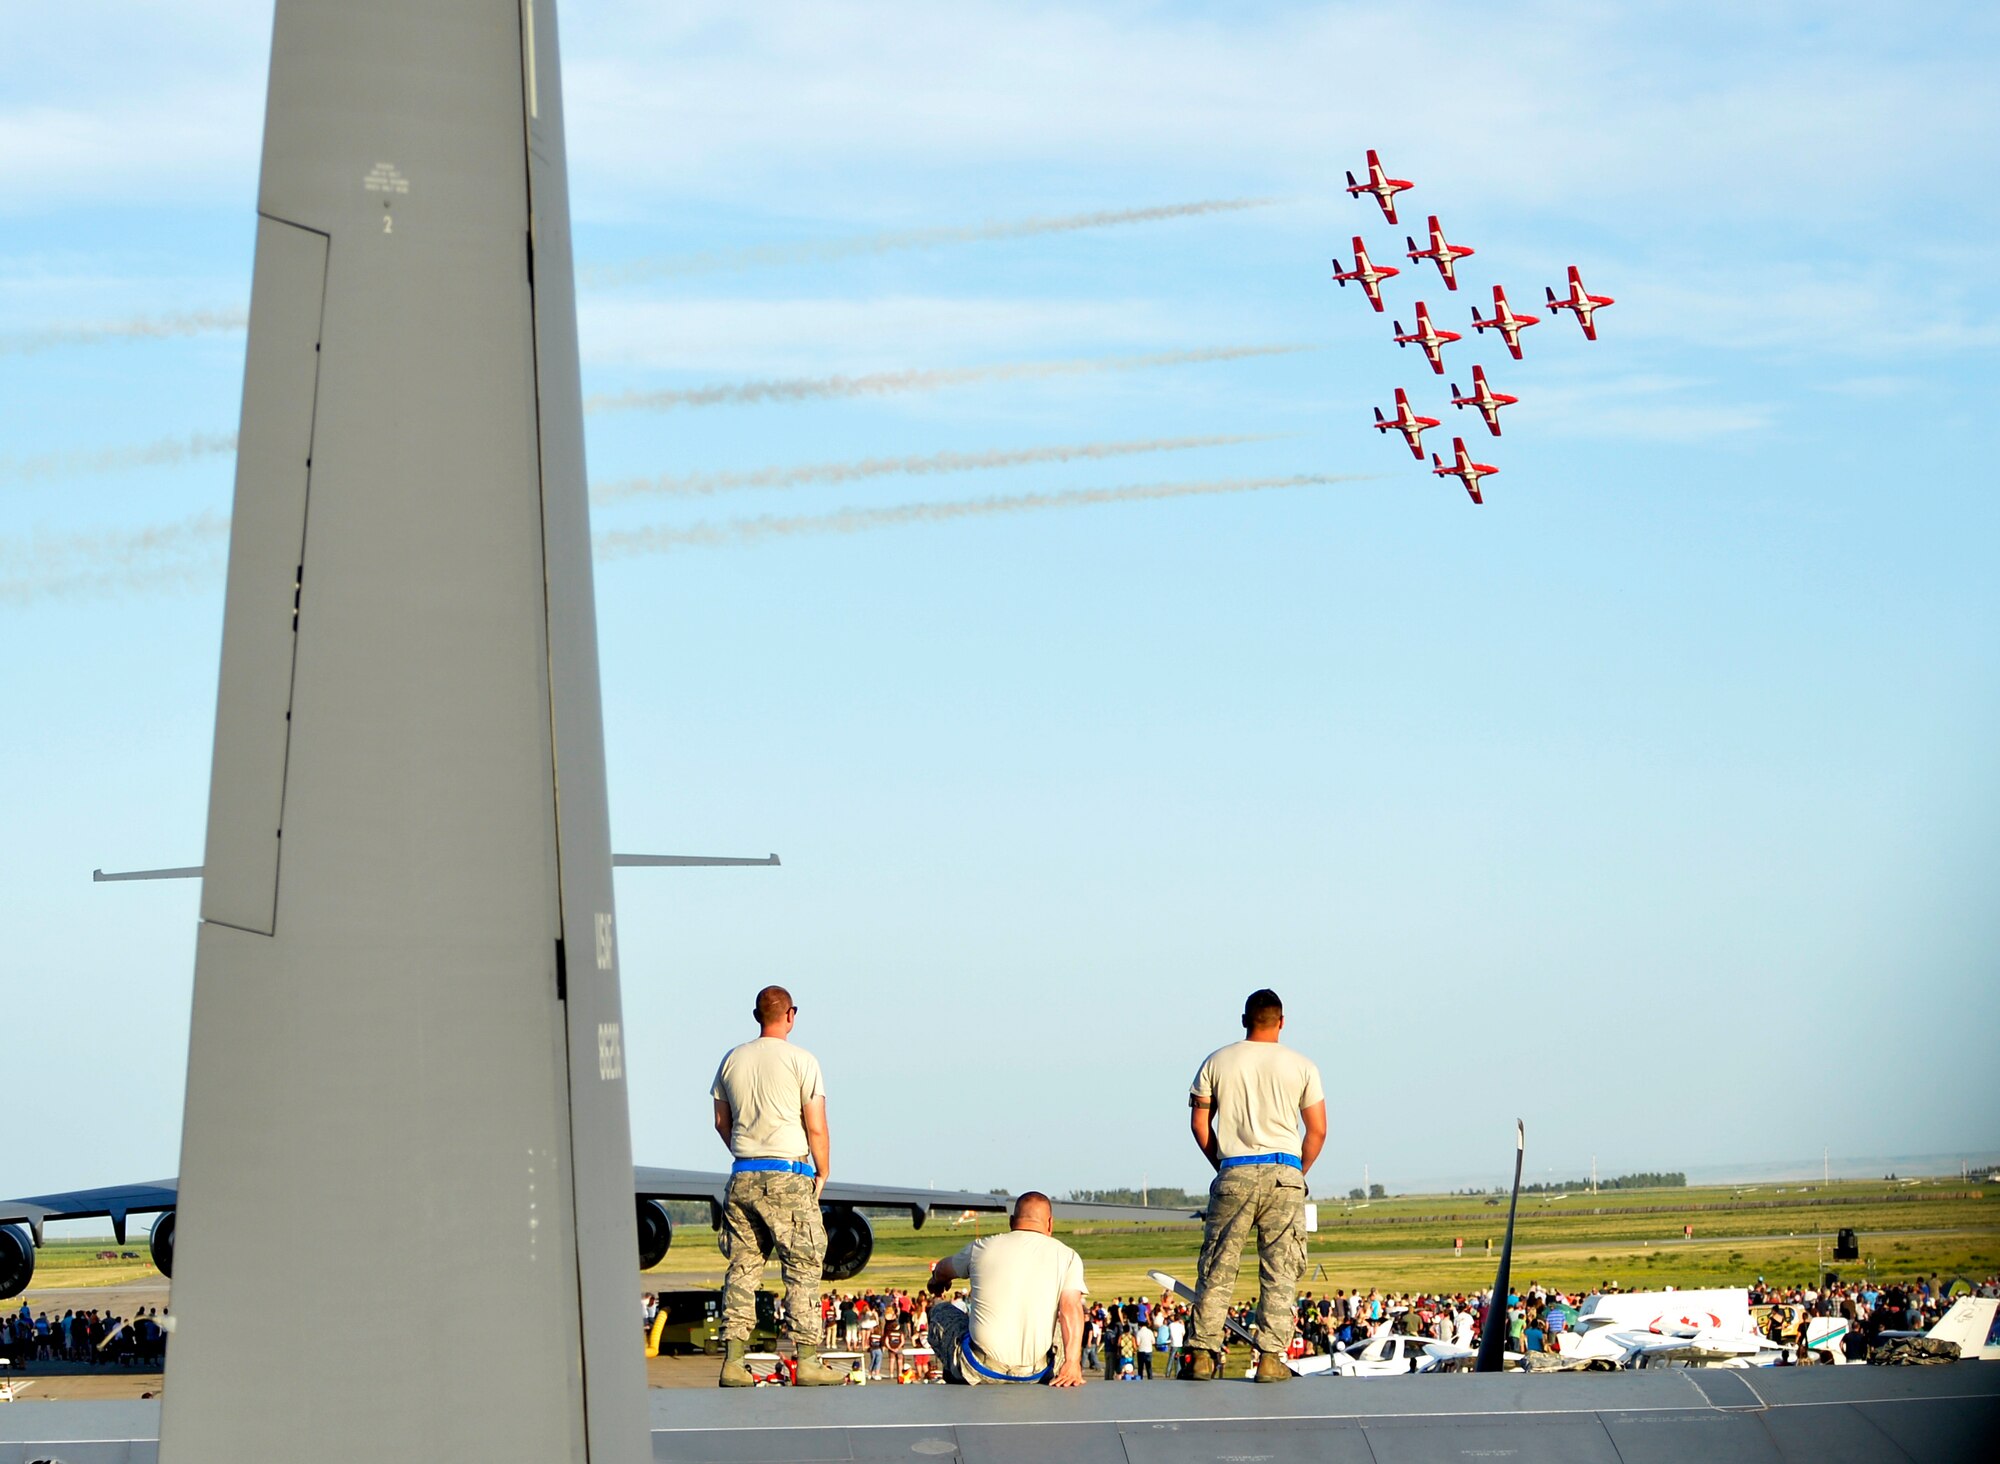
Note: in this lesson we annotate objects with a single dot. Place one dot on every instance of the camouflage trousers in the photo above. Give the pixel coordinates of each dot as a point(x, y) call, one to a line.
point(1270, 1199)
point(763, 1212)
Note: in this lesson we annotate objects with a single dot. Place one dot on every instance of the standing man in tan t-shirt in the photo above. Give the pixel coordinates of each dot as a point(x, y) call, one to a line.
point(770, 1109)
point(1246, 1106)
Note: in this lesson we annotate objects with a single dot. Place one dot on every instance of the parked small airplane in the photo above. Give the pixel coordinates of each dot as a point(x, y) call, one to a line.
point(1381, 185)
point(1684, 1328)
point(1505, 321)
point(1406, 422)
point(1483, 397)
point(1368, 273)
point(1446, 255)
point(1584, 305)
point(1463, 468)
point(1426, 335)
point(1394, 1355)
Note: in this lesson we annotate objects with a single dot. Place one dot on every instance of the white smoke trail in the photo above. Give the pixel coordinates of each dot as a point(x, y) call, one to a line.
point(625, 543)
point(829, 250)
point(184, 554)
point(163, 452)
point(888, 383)
point(137, 328)
point(696, 485)
point(188, 554)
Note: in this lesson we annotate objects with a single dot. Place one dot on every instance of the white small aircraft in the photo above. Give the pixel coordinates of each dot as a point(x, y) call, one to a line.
point(1681, 1328)
point(1394, 1354)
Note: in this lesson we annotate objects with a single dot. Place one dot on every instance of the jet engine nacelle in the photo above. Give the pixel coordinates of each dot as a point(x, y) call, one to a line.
point(17, 1260)
point(656, 1233)
point(850, 1241)
point(163, 1243)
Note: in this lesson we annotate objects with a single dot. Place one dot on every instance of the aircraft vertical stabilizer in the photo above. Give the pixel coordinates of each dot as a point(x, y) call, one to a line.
point(405, 1222)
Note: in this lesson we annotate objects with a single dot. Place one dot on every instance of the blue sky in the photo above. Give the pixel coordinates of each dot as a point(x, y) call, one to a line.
point(1655, 801)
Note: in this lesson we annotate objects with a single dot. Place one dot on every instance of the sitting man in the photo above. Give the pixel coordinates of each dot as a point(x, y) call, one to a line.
point(1025, 1285)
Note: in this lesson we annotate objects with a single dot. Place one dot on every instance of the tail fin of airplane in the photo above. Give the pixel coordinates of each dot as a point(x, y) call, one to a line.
point(1493, 1334)
point(1550, 291)
point(1409, 245)
point(1380, 420)
point(1351, 184)
point(1974, 1324)
point(1399, 332)
point(1456, 393)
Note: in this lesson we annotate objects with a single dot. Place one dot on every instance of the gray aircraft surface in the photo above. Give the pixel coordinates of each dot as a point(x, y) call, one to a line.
point(406, 1070)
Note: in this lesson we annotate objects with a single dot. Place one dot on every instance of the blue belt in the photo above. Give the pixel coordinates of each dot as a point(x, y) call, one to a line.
point(1290, 1161)
point(965, 1351)
point(774, 1166)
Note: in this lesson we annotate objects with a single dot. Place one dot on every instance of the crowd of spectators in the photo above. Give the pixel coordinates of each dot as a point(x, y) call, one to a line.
point(1137, 1339)
point(94, 1338)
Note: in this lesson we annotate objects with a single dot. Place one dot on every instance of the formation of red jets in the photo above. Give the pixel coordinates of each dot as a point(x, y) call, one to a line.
point(1432, 339)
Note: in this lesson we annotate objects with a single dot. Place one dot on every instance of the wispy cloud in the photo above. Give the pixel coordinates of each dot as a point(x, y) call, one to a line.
point(624, 543)
point(189, 553)
point(861, 246)
point(163, 452)
point(186, 553)
point(1639, 407)
point(133, 328)
point(918, 379)
point(693, 485)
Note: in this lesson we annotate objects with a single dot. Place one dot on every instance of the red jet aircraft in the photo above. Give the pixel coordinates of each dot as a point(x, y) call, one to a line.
point(1381, 185)
point(1367, 272)
point(1406, 422)
point(1462, 468)
point(1485, 398)
point(1505, 321)
point(1446, 255)
point(1584, 305)
point(1426, 335)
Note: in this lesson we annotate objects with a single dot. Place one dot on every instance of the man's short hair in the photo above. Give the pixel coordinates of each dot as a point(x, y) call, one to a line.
point(1262, 1008)
point(772, 1004)
point(1031, 1201)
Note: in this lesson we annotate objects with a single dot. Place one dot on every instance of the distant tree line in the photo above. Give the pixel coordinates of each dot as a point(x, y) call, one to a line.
point(1160, 1196)
point(1648, 1179)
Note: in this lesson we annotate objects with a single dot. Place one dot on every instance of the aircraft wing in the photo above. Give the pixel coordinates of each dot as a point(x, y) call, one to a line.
point(113, 1201)
point(116, 1202)
point(694, 1184)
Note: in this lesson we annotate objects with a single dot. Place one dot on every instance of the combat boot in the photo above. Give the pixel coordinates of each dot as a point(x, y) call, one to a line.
point(1271, 1368)
point(812, 1373)
point(1204, 1366)
point(735, 1372)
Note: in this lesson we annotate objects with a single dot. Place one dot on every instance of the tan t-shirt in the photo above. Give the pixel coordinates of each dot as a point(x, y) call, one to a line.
point(1017, 1279)
point(767, 1083)
point(1257, 1090)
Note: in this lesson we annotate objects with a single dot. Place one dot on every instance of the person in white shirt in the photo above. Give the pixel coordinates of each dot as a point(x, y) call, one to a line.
point(1023, 1322)
point(770, 1109)
point(1246, 1106)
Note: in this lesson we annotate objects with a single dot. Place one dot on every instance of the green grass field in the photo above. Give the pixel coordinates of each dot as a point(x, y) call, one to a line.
point(1632, 1237)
